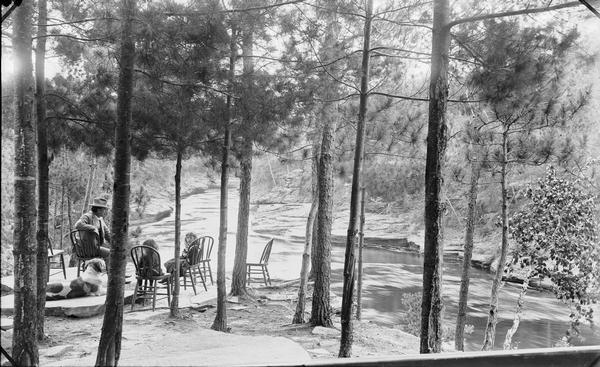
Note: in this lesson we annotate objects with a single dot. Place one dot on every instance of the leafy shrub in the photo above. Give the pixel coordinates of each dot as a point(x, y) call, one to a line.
point(556, 236)
point(412, 317)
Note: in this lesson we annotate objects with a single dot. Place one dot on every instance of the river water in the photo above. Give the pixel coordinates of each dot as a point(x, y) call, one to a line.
point(388, 275)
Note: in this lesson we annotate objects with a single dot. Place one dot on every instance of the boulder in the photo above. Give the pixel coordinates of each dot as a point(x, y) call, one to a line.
point(6, 323)
point(5, 289)
point(319, 352)
point(320, 330)
point(57, 351)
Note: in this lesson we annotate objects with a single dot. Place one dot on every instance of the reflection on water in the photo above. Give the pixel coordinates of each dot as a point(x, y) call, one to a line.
point(387, 276)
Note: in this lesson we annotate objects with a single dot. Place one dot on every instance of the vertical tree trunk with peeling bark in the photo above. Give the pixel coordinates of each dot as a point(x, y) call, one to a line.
point(517, 319)
point(238, 277)
point(306, 254)
point(321, 308)
point(109, 348)
point(350, 261)
point(176, 287)
point(43, 163)
point(432, 306)
point(490, 329)
point(24, 346)
point(461, 318)
point(220, 322)
point(361, 238)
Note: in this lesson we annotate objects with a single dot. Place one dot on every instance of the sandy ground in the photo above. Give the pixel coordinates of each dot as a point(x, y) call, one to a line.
point(260, 332)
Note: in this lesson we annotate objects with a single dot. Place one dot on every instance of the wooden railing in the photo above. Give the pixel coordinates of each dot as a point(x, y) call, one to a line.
point(542, 357)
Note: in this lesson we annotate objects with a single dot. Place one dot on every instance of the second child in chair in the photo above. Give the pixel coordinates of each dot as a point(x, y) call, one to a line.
point(147, 261)
point(190, 237)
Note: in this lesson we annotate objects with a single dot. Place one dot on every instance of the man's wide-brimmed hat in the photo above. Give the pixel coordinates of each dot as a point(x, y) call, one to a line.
point(100, 203)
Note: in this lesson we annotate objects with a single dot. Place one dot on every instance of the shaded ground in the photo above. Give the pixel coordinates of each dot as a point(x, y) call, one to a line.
point(149, 338)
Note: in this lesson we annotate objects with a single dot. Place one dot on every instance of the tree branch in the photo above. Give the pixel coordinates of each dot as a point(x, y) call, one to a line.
point(587, 5)
point(512, 13)
point(264, 7)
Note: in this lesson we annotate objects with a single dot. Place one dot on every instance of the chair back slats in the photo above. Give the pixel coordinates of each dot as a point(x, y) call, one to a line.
point(50, 249)
point(194, 254)
point(264, 259)
point(85, 244)
point(207, 244)
point(146, 261)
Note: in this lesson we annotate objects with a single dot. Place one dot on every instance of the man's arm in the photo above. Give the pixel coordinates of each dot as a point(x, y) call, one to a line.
point(85, 224)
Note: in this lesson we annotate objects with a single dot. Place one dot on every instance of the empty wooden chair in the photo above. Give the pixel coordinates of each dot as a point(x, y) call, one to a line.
point(261, 268)
point(151, 280)
point(55, 255)
point(206, 242)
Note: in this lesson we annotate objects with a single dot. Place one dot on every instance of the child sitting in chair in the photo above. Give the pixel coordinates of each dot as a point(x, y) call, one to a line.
point(190, 237)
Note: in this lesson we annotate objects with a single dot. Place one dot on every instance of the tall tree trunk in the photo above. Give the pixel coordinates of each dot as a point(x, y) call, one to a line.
point(315, 233)
point(238, 278)
point(109, 348)
point(350, 261)
point(238, 281)
point(361, 238)
point(25, 350)
point(517, 319)
point(432, 306)
point(461, 318)
point(490, 329)
point(220, 322)
point(175, 296)
point(43, 162)
point(62, 214)
point(321, 309)
point(306, 254)
point(88, 188)
point(69, 210)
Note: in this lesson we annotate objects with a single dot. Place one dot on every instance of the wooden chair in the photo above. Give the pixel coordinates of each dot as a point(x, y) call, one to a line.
point(261, 266)
point(85, 247)
point(149, 274)
point(206, 242)
point(53, 256)
point(194, 258)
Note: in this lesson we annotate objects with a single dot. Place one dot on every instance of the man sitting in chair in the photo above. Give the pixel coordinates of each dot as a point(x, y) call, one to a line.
point(92, 227)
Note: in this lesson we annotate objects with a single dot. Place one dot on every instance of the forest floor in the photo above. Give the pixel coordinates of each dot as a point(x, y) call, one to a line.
point(154, 338)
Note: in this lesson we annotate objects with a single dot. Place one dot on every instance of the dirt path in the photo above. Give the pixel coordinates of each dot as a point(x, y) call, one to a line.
point(151, 337)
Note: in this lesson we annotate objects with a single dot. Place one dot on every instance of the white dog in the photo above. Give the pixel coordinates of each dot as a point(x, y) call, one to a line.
point(92, 282)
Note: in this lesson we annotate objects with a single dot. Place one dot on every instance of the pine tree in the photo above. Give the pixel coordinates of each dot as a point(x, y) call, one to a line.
point(109, 347)
point(24, 343)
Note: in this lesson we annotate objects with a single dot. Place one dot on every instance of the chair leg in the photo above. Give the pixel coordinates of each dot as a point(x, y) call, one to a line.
point(62, 263)
point(262, 268)
point(154, 285)
point(209, 272)
point(169, 291)
point(268, 275)
point(248, 269)
point(78, 267)
point(189, 273)
point(203, 279)
point(135, 290)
